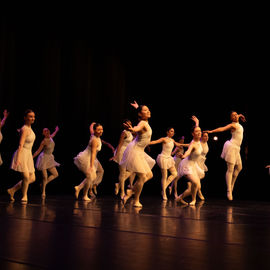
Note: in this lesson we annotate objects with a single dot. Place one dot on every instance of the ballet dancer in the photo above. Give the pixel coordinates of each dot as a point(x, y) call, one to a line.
point(45, 161)
point(22, 160)
point(190, 169)
point(135, 160)
point(231, 150)
point(125, 138)
point(2, 123)
point(177, 154)
point(165, 160)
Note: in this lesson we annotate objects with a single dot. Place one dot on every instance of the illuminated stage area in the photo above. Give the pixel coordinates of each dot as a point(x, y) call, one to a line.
point(62, 233)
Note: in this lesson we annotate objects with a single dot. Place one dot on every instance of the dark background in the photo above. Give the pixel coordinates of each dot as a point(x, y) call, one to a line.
point(70, 76)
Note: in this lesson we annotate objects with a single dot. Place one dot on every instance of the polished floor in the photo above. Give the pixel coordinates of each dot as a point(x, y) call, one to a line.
point(62, 233)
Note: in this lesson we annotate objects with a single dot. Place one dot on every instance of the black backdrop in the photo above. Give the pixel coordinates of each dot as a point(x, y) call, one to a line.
point(71, 82)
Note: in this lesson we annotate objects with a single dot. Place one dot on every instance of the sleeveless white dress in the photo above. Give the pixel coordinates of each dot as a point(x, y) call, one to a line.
point(189, 165)
point(177, 157)
point(45, 159)
point(127, 140)
point(82, 160)
point(26, 158)
point(165, 159)
point(1, 138)
point(202, 158)
point(231, 148)
point(134, 158)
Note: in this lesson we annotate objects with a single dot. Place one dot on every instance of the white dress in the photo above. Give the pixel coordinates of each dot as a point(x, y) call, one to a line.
point(177, 157)
point(202, 158)
point(134, 158)
point(45, 159)
point(231, 148)
point(165, 159)
point(189, 165)
point(1, 138)
point(82, 160)
point(26, 162)
point(127, 140)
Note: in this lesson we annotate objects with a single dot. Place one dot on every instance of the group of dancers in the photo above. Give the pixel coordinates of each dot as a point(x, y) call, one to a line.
point(133, 162)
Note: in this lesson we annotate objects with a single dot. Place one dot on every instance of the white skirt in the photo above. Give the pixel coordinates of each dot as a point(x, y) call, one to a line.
point(231, 153)
point(26, 161)
point(190, 167)
point(165, 162)
point(82, 161)
point(46, 161)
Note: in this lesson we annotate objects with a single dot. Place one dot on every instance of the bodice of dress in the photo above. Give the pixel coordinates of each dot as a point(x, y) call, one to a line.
point(196, 153)
point(143, 139)
point(205, 148)
point(237, 135)
point(128, 139)
point(49, 147)
point(90, 141)
point(29, 140)
point(167, 148)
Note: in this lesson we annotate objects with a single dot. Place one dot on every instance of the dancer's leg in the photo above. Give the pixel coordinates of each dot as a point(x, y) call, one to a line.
point(28, 178)
point(123, 176)
point(47, 180)
point(164, 175)
point(236, 171)
point(90, 176)
point(229, 174)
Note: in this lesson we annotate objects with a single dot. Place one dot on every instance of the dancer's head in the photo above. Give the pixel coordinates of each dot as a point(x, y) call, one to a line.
point(29, 117)
point(98, 129)
point(181, 139)
point(205, 137)
point(143, 112)
point(46, 133)
point(196, 133)
point(234, 116)
point(170, 132)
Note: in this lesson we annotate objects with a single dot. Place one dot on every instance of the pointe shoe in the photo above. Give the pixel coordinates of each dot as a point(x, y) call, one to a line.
point(43, 196)
point(11, 195)
point(86, 199)
point(24, 200)
point(164, 196)
point(192, 203)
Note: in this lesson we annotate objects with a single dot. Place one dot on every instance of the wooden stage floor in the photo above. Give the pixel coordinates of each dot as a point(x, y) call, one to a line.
point(62, 233)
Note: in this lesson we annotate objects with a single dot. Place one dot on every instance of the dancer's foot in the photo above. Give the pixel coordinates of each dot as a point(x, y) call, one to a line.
point(176, 195)
point(201, 196)
point(137, 204)
point(180, 199)
point(229, 195)
point(43, 195)
point(116, 189)
point(24, 199)
point(77, 192)
point(170, 190)
point(127, 196)
point(86, 198)
point(192, 203)
point(164, 196)
point(11, 194)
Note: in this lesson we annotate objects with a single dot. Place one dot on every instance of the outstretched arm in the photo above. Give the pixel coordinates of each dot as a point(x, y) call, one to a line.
point(137, 128)
point(5, 113)
point(161, 140)
point(55, 132)
point(242, 117)
point(109, 145)
point(91, 128)
point(221, 129)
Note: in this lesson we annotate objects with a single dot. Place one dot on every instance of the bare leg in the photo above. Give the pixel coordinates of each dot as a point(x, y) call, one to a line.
point(175, 181)
point(131, 179)
point(88, 184)
point(28, 178)
point(11, 191)
point(123, 176)
point(237, 170)
point(164, 174)
point(79, 188)
point(47, 180)
point(229, 173)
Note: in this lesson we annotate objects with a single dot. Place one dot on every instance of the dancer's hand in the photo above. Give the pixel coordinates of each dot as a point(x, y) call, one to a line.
point(242, 117)
point(195, 119)
point(134, 104)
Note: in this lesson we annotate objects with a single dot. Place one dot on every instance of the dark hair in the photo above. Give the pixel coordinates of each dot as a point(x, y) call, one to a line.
point(169, 128)
point(192, 129)
point(27, 111)
point(96, 125)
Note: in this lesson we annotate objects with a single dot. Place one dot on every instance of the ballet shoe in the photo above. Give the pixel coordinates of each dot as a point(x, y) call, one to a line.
point(24, 200)
point(192, 203)
point(229, 195)
point(201, 197)
point(127, 196)
point(86, 199)
point(43, 196)
point(179, 199)
point(137, 204)
point(164, 196)
point(116, 189)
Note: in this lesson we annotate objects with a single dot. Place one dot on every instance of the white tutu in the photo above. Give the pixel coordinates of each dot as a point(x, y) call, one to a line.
point(82, 161)
point(46, 161)
point(165, 162)
point(136, 160)
point(231, 153)
point(201, 163)
point(190, 167)
point(117, 158)
point(26, 162)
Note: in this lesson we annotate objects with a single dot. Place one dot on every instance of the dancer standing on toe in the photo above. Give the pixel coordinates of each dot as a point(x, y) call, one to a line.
point(165, 160)
point(189, 167)
point(2, 123)
point(231, 150)
point(88, 163)
point(22, 160)
point(125, 138)
point(46, 160)
point(135, 160)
